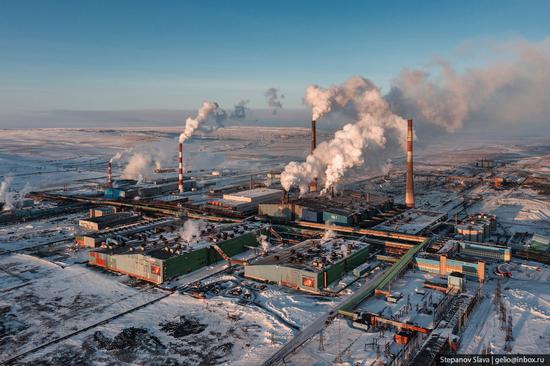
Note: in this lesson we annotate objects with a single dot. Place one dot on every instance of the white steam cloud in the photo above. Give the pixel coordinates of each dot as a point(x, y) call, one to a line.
point(273, 101)
point(375, 130)
point(10, 198)
point(207, 110)
point(264, 243)
point(328, 235)
point(512, 90)
point(146, 158)
point(6, 196)
point(192, 230)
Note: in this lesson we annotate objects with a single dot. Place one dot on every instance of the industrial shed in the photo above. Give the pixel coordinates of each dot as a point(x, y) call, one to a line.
point(442, 265)
point(311, 265)
point(348, 208)
point(244, 202)
point(157, 265)
point(108, 221)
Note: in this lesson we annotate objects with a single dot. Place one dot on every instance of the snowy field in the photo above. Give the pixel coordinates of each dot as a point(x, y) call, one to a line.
point(527, 298)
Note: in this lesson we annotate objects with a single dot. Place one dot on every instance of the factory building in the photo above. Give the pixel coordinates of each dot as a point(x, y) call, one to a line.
point(413, 221)
point(159, 263)
point(349, 208)
point(443, 266)
point(486, 163)
point(311, 265)
point(244, 202)
point(108, 221)
point(539, 243)
point(488, 251)
point(102, 211)
point(477, 227)
point(150, 189)
point(124, 233)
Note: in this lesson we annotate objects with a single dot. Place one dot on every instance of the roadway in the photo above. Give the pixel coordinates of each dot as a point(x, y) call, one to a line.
point(345, 308)
point(317, 325)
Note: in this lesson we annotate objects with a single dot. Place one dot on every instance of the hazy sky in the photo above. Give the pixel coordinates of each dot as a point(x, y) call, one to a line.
point(110, 55)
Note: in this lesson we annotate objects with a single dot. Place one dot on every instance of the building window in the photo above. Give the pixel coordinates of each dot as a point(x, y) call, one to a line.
point(308, 282)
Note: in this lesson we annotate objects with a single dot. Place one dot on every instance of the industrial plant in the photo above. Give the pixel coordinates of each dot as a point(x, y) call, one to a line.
point(401, 260)
point(338, 257)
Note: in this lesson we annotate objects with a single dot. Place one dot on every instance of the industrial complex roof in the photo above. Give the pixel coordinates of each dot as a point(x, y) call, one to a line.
point(252, 194)
point(314, 254)
point(412, 221)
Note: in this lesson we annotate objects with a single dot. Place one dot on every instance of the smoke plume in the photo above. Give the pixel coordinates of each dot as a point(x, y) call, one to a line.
point(272, 97)
point(6, 196)
point(192, 230)
point(144, 159)
point(10, 198)
point(117, 156)
point(375, 133)
point(207, 110)
point(344, 249)
point(264, 243)
point(511, 90)
point(328, 235)
point(239, 111)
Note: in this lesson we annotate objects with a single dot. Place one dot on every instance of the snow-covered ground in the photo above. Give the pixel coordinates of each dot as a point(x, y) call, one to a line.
point(517, 210)
point(48, 293)
point(527, 299)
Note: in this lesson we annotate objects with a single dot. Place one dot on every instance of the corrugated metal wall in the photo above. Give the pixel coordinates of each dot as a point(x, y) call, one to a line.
point(287, 276)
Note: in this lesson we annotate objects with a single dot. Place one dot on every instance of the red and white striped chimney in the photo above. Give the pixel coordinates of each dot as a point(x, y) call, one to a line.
point(409, 188)
point(180, 169)
point(109, 176)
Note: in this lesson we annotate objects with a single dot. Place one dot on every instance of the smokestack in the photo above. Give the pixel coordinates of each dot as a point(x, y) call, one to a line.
point(109, 176)
point(313, 183)
point(409, 189)
point(180, 169)
point(313, 135)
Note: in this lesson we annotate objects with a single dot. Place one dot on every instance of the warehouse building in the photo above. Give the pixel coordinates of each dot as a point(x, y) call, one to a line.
point(413, 221)
point(311, 265)
point(539, 243)
point(488, 251)
point(348, 208)
point(478, 227)
point(161, 260)
point(108, 221)
point(486, 163)
point(124, 233)
point(244, 202)
point(443, 266)
point(102, 211)
point(128, 191)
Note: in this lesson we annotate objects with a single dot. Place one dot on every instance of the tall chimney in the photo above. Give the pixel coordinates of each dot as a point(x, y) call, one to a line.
point(180, 169)
point(313, 183)
point(313, 135)
point(409, 189)
point(109, 176)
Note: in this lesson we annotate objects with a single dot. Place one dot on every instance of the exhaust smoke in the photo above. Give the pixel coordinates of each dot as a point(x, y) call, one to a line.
point(375, 130)
point(207, 110)
point(272, 97)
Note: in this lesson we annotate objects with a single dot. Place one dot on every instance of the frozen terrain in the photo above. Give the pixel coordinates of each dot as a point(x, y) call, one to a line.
point(62, 311)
